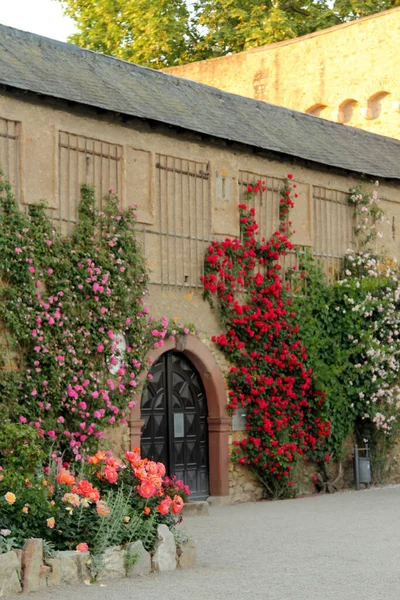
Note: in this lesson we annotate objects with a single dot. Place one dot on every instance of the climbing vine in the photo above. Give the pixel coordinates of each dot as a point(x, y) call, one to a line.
point(74, 326)
point(269, 375)
point(352, 331)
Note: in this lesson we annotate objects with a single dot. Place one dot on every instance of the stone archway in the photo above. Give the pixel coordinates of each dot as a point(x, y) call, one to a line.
point(219, 421)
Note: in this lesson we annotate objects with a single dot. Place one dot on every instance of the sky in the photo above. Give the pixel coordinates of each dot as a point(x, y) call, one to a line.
point(44, 17)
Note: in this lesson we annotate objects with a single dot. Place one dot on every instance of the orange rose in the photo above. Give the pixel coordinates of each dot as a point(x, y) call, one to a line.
point(110, 474)
point(164, 506)
point(147, 489)
point(85, 489)
point(65, 477)
point(51, 522)
point(102, 509)
point(146, 510)
point(177, 504)
point(10, 498)
point(141, 473)
point(161, 469)
point(156, 480)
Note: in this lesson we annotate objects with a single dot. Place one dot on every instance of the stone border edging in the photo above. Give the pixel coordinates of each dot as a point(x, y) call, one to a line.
point(28, 571)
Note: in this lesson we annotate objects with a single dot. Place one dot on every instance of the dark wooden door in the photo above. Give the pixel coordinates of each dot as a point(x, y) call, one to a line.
point(174, 410)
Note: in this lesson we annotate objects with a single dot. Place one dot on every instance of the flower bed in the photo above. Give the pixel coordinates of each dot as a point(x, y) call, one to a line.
point(105, 502)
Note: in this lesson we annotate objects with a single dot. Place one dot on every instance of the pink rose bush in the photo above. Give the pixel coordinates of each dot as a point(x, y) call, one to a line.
point(75, 318)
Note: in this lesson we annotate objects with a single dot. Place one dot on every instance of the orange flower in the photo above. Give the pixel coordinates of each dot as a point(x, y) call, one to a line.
point(65, 477)
point(147, 489)
point(146, 510)
point(152, 468)
point(156, 480)
point(134, 459)
point(141, 473)
point(72, 499)
point(10, 498)
point(25, 510)
point(100, 455)
point(177, 504)
point(164, 506)
point(161, 469)
point(102, 509)
point(51, 522)
point(85, 489)
point(93, 460)
point(110, 474)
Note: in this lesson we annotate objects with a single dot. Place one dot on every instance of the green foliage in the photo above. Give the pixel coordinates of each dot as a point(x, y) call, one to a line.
point(162, 33)
point(351, 329)
point(21, 449)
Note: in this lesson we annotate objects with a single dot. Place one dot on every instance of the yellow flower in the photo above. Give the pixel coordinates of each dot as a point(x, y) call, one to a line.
point(52, 503)
point(44, 482)
point(127, 519)
point(10, 497)
point(25, 510)
point(51, 522)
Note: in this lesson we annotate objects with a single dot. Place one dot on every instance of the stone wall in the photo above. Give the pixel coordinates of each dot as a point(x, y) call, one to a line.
point(349, 73)
point(28, 570)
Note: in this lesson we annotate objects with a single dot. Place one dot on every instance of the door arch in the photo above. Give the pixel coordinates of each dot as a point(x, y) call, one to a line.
point(219, 422)
point(175, 431)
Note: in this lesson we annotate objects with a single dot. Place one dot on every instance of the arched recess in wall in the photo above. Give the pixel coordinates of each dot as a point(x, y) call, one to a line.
point(378, 104)
point(318, 110)
point(219, 422)
point(348, 111)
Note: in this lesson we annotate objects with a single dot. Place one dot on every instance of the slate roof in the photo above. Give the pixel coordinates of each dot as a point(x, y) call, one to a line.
point(41, 65)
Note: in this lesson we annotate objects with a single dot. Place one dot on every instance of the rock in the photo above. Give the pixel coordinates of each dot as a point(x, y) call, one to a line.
point(114, 564)
point(45, 571)
point(142, 560)
point(54, 578)
point(9, 574)
point(32, 560)
point(73, 566)
point(19, 552)
point(164, 558)
point(195, 509)
point(187, 555)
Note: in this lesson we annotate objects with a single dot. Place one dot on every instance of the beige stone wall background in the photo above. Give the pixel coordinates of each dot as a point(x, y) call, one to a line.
point(349, 73)
point(186, 190)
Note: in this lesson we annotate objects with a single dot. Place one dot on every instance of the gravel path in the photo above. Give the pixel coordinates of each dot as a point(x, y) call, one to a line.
point(341, 547)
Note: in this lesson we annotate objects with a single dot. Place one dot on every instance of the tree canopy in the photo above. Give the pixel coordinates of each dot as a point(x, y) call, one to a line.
point(164, 33)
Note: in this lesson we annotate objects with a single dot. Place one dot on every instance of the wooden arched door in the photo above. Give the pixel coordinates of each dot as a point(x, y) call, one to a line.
point(174, 410)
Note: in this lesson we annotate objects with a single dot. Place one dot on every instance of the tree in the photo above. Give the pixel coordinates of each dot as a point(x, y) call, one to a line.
point(163, 33)
point(152, 33)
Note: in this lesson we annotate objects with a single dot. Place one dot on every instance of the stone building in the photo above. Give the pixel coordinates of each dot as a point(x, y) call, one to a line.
point(183, 153)
point(349, 73)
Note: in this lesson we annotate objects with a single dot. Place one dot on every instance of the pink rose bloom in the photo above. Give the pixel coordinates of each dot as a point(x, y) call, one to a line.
point(82, 547)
